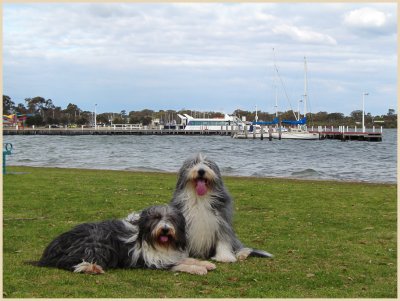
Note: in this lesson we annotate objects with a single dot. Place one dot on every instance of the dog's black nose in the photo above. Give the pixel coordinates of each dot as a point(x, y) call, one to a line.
point(201, 172)
point(165, 230)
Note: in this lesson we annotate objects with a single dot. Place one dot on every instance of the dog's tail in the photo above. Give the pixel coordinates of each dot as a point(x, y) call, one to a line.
point(260, 253)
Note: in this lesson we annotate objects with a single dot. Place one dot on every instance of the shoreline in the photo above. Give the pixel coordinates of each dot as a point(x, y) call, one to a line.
point(154, 171)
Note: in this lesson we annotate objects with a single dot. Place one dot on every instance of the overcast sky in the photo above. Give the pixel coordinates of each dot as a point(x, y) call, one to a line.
point(216, 56)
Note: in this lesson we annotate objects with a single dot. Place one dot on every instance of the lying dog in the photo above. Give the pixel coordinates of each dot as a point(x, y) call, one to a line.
point(154, 238)
point(202, 198)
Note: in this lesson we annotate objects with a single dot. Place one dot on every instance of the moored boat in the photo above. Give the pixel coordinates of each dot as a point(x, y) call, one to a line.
point(296, 133)
point(211, 124)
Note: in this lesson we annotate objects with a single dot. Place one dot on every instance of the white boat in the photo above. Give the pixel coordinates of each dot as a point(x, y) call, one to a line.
point(211, 124)
point(297, 130)
point(296, 133)
point(300, 131)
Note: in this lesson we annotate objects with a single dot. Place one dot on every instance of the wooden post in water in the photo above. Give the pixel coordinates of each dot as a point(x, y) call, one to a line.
point(254, 133)
point(262, 132)
point(226, 130)
point(270, 133)
point(232, 132)
point(245, 131)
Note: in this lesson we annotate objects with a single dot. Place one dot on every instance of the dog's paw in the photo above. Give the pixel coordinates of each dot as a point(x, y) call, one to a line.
point(224, 252)
point(224, 258)
point(208, 265)
point(243, 254)
point(197, 270)
point(190, 268)
point(88, 268)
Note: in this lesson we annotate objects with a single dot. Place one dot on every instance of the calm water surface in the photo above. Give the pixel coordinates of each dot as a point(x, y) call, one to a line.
point(325, 159)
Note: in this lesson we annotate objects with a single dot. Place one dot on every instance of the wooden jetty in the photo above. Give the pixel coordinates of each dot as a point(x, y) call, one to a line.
point(110, 131)
point(323, 134)
point(346, 136)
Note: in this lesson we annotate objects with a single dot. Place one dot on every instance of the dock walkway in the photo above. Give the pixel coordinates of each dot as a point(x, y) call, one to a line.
point(331, 134)
point(344, 136)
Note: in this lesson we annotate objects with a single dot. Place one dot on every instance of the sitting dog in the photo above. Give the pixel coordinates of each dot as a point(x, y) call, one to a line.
point(154, 238)
point(202, 198)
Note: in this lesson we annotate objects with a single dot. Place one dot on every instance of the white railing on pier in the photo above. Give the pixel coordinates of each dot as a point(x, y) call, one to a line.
point(344, 129)
point(127, 126)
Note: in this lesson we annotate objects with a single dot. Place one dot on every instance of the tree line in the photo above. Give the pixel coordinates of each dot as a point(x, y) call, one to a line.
point(329, 119)
point(43, 112)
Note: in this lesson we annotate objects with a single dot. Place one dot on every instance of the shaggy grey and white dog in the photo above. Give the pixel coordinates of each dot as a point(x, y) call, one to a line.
point(204, 201)
point(154, 238)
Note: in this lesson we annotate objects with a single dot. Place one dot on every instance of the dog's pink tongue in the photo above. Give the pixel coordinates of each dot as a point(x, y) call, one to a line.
point(163, 238)
point(201, 188)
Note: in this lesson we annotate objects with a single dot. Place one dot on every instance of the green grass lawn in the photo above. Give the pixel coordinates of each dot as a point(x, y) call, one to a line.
point(330, 239)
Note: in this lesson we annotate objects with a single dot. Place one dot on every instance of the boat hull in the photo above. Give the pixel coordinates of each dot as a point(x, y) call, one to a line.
point(297, 136)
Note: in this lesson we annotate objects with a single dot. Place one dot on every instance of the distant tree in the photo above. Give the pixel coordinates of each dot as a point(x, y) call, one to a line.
point(65, 119)
point(20, 108)
point(134, 119)
point(320, 116)
point(83, 119)
point(118, 120)
point(36, 120)
point(265, 116)
point(239, 113)
point(356, 115)
point(216, 115)
point(144, 117)
point(8, 105)
point(288, 115)
point(73, 112)
point(56, 114)
point(34, 105)
point(390, 119)
point(103, 118)
point(335, 117)
point(147, 120)
point(47, 110)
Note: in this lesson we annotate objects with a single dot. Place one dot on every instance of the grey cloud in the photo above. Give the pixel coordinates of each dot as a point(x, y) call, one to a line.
point(193, 48)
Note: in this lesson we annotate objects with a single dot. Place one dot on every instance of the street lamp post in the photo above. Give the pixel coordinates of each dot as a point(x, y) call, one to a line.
point(95, 117)
point(363, 111)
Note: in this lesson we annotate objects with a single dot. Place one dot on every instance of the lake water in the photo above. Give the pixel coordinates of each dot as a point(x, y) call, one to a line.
point(325, 159)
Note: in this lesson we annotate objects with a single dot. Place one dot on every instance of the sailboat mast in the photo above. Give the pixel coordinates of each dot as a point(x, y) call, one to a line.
point(305, 87)
point(275, 84)
point(276, 101)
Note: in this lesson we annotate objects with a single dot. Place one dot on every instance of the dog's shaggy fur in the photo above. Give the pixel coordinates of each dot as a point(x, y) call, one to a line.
point(207, 207)
point(154, 238)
